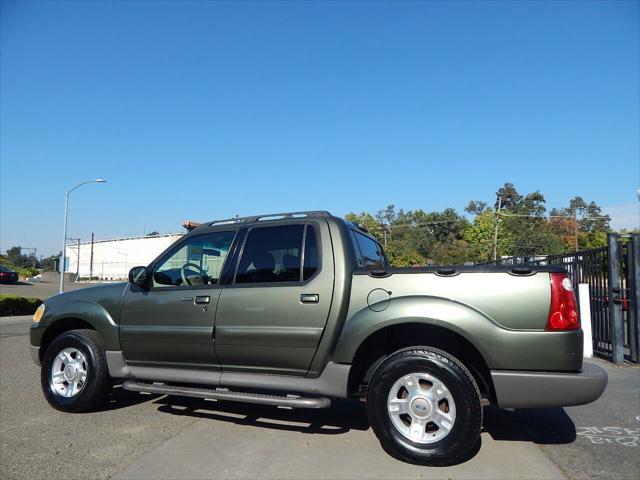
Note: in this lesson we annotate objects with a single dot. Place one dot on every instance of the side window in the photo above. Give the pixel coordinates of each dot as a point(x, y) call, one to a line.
point(198, 261)
point(271, 254)
point(356, 250)
point(372, 255)
point(310, 254)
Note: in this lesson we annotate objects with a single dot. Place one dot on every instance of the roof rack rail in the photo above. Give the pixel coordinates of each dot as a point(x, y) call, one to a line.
point(270, 216)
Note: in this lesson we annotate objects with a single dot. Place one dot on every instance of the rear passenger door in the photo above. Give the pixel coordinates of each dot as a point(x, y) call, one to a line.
point(271, 317)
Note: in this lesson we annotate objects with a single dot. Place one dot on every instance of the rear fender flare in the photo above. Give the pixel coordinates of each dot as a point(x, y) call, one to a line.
point(459, 318)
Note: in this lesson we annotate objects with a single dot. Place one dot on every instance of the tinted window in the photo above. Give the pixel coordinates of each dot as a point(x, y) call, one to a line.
point(198, 261)
point(271, 254)
point(372, 255)
point(356, 250)
point(310, 254)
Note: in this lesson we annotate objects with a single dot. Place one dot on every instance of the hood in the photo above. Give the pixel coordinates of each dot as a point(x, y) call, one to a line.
point(94, 293)
point(107, 297)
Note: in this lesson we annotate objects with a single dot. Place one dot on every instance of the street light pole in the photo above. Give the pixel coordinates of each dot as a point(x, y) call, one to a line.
point(63, 258)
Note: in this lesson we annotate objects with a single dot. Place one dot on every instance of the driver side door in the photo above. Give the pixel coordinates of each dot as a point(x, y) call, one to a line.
point(171, 322)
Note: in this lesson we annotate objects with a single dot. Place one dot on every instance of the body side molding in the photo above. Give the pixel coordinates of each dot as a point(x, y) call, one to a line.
point(332, 382)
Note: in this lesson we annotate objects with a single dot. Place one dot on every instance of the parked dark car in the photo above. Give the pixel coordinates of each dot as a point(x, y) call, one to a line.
point(7, 275)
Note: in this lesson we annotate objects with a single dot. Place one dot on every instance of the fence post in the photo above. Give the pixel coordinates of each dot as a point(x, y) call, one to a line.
point(613, 289)
point(633, 286)
point(585, 319)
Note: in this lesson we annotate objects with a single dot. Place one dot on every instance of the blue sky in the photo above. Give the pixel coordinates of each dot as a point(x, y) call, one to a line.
point(200, 110)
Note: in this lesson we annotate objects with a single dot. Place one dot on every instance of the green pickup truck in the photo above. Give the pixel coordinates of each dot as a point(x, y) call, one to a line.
point(297, 309)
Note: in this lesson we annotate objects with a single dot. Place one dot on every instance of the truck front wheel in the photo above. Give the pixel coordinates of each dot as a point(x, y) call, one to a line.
point(74, 373)
point(424, 407)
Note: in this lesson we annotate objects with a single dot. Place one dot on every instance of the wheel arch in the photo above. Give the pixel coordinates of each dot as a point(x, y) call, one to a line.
point(391, 338)
point(60, 326)
point(71, 315)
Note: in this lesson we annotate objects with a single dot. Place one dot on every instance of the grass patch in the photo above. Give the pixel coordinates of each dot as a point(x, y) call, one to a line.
point(17, 305)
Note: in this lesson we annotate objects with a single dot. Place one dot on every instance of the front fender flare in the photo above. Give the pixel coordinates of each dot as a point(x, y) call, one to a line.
point(91, 312)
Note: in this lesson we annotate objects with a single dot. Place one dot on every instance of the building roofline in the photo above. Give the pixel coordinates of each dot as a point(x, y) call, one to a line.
point(120, 239)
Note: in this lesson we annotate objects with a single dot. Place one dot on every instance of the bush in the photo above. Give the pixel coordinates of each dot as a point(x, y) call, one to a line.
point(23, 272)
point(29, 272)
point(17, 305)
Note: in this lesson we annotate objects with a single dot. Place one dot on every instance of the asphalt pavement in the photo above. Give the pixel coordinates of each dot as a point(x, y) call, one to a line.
point(144, 436)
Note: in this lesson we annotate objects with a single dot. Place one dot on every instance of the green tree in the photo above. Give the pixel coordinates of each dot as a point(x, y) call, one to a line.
point(592, 226)
point(402, 254)
point(456, 252)
point(15, 256)
point(475, 207)
point(368, 221)
point(410, 236)
point(524, 221)
point(479, 237)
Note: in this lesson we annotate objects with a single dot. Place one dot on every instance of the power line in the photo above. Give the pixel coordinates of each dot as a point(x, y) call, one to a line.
point(551, 216)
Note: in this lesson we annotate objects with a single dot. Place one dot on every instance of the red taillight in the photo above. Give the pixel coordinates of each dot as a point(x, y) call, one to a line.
point(563, 314)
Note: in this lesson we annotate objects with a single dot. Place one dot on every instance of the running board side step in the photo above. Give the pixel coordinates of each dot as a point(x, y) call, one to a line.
point(223, 394)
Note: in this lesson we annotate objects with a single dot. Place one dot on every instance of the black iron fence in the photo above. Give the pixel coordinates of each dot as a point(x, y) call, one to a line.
point(613, 276)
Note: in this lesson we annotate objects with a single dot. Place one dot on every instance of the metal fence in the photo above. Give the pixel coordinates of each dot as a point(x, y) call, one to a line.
point(613, 276)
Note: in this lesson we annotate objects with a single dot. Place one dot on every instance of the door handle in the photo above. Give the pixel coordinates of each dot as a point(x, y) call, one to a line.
point(309, 298)
point(202, 300)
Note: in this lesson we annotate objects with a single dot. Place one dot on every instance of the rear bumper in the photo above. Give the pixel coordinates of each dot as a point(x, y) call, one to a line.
point(548, 389)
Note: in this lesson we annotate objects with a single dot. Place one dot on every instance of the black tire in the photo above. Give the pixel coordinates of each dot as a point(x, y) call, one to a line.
point(95, 390)
point(459, 443)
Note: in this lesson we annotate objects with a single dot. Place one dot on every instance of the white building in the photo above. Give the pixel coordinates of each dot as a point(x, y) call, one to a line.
point(112, 259)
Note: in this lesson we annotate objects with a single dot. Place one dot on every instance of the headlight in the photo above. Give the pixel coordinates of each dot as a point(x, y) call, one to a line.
point(39, 312)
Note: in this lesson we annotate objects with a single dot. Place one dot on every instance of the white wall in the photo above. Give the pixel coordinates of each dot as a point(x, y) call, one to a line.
point(112, 259)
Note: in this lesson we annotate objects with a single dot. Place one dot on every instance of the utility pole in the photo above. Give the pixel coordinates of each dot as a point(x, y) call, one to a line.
point(33, 254)
point(575, 228)
point(91, 261)
point(495, 232)
point(78, 266)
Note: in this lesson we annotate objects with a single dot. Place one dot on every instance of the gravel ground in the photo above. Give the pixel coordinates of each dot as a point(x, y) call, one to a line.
point(39, 442)
point(136, 433)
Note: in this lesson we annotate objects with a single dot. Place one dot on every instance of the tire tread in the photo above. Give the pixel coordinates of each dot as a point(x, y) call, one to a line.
point(96, 391)
point(472, 419)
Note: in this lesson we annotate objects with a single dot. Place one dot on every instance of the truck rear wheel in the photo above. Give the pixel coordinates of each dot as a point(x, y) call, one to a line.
point(74, 374)
point(424, 407)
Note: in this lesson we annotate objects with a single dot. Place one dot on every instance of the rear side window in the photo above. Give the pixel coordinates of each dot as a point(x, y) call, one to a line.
point(356, 250)
point(371, 251)
point(310, 254)
point(274, 254)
